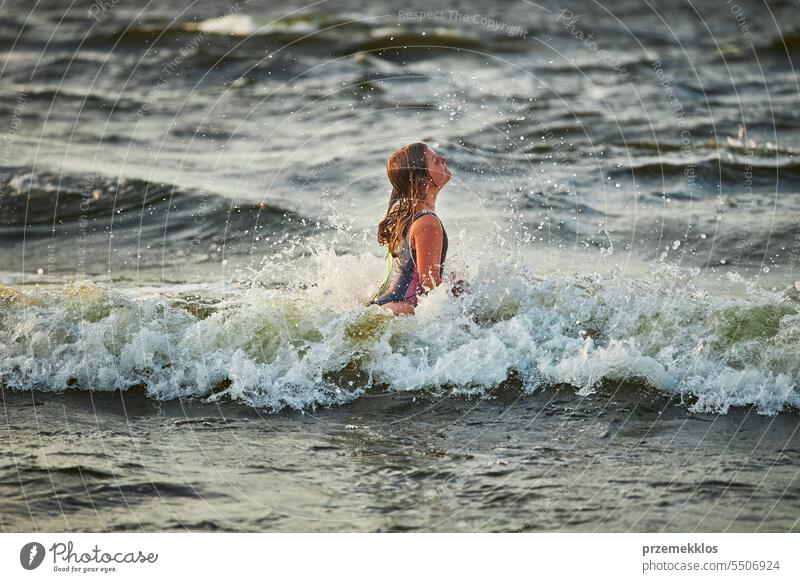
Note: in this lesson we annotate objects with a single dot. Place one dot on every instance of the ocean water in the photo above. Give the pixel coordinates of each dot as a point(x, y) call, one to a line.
point(188, 198)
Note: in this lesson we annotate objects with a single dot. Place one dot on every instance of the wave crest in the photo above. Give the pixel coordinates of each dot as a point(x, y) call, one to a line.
point(321, 346)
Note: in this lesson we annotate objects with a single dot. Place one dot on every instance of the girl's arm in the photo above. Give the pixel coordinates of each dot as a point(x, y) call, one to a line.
point(426, 237)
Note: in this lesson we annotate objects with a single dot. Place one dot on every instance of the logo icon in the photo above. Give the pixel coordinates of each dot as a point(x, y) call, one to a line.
point(31, 555)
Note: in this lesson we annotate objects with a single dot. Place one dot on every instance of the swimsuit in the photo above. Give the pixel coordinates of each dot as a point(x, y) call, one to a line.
point(403, 282)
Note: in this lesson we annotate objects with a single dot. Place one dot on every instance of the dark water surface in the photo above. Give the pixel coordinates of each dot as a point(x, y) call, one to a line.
point(549, 462)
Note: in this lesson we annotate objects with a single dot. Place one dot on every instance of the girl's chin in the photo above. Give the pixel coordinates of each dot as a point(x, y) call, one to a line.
point(441, 183)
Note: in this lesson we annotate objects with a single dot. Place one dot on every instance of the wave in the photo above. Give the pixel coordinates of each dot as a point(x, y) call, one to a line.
point(340, 35)
point(717, 171)
point(400, 41)
point(33, 198)
point(290, 26)
point(135, 221)
point(238, 27)
point(730, 145)
point(319, 345)
point(89, 101)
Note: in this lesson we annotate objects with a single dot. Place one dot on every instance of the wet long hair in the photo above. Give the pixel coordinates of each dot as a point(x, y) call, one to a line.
point(408, 174)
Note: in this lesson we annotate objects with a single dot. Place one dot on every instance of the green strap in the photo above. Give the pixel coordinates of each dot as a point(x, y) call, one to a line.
point(388, 274)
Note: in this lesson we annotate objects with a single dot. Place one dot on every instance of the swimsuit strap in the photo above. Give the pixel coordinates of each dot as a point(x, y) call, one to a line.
point(423, 213)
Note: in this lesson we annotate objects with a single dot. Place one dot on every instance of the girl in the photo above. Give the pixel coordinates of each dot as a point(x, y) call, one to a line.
point(411, 231)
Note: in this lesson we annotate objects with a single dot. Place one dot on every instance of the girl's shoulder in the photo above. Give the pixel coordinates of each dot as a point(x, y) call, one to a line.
point(425, 222)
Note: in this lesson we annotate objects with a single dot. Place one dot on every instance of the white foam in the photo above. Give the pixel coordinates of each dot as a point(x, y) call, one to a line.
point(233, 24)
point(246, 25)
point(319, 344)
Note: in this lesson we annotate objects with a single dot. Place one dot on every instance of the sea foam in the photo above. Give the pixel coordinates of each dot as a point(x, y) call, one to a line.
point(319, 344)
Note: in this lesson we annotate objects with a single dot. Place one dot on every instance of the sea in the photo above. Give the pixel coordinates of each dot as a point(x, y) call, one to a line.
point(189, 195)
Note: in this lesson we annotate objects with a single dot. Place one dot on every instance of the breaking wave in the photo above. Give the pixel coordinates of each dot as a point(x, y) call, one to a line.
point(320, 345)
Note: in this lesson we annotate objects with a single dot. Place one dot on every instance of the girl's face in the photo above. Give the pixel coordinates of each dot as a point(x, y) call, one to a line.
point(437, 168)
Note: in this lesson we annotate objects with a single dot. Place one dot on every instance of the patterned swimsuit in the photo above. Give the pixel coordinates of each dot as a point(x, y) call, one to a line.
point(403, 283)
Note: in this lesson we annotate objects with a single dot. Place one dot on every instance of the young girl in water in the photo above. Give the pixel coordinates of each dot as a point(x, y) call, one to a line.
point(411, 231)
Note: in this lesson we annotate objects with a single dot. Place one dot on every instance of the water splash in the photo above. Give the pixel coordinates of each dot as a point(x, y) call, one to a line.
point(318, 344)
